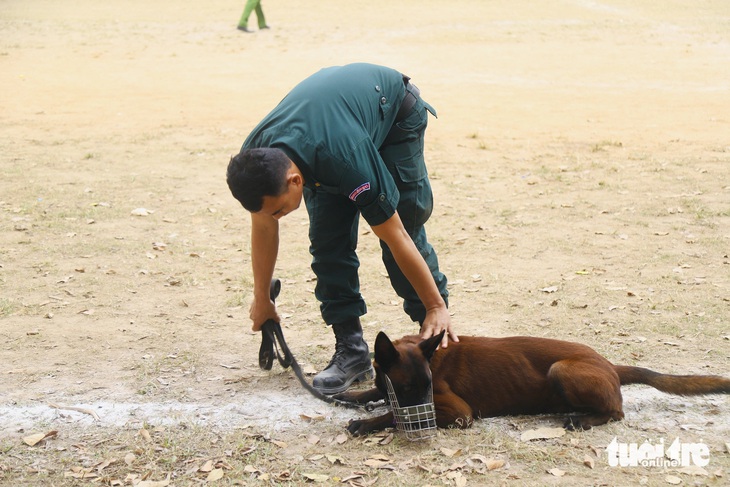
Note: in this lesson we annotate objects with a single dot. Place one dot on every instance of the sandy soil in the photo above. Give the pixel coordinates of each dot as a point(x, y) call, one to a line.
point(580, 168)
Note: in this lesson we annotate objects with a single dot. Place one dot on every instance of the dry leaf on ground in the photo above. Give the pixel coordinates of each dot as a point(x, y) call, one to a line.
point(542, 434)
point(32, 440)
point(215, 474)
point(316, 477)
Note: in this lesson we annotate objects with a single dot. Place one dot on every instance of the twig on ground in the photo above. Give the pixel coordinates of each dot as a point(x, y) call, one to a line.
point(77, 409)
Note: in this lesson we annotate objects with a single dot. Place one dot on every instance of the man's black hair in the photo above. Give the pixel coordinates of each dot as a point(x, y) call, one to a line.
point(255, 173)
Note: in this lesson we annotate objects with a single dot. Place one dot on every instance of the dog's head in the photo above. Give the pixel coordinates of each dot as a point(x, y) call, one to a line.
point(406, 363)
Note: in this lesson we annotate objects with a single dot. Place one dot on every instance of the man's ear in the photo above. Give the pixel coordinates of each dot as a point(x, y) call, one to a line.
point(429, 346)
point(385, 352)
point(295, 178)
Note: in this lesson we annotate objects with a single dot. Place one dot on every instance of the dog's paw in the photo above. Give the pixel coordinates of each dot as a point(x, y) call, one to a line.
point(357, 427)
point(575, 423)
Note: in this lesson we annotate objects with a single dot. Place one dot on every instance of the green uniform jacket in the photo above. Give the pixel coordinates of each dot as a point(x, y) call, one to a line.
point(331, 126)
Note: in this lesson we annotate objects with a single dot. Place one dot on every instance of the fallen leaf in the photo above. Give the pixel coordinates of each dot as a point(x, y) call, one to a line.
point(284, 476)
point(215, 474)
point(694, 470)
point(549, 289)
point(206, 467)
point(79, 473)
point(154, 483)
point(308, 370)
point(673, 479)
point(478, 457)
point(312, 439)
point(317, 417)
point(449, 452)
point(334, 459)
point(556, 472)
point(589, 462)
point(341, 438)
point(387, 439)
point(458, 478)
point(315, 477)
point(32, 440)
point(278, 443)
point(129, 458)
point(380, 457)
point(490, 463)
point(248, 450)
point(101, 466)
point(146, 435)
point(141, 212)
point(494, 464)
point(542, 434)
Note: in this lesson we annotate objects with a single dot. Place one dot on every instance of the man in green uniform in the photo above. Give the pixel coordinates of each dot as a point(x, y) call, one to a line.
point(251, 6)
point(349, 139)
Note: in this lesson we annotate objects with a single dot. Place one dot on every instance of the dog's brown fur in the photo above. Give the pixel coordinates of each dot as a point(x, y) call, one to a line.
point(481, 377)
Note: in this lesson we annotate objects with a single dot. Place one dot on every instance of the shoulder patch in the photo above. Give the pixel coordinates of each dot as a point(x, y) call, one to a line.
point(359, 190)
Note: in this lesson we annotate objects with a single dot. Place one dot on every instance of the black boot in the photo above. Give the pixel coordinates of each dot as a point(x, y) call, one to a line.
point(350, 363)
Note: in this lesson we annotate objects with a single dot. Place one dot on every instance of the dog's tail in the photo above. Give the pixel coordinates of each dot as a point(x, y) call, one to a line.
point(683, 385)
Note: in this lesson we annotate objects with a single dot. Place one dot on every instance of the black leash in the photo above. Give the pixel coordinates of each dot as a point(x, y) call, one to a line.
point(272, 338)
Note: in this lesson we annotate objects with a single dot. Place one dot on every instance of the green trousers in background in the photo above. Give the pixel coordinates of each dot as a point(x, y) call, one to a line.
point(252, 5)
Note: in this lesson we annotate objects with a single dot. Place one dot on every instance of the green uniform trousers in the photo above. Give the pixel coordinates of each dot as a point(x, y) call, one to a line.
point(252, 5)
point(333, 230)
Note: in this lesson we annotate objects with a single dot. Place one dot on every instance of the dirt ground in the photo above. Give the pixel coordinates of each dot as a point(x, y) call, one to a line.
point(580, 170)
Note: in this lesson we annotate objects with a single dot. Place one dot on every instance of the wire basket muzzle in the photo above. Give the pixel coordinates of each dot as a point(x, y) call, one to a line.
point(417, 422)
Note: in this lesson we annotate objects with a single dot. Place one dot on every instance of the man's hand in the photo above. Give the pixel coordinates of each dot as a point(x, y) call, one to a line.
point(261, 310)
point(438, 320)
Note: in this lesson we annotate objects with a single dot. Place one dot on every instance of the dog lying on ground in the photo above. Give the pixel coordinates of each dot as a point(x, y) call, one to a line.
point(481, 377)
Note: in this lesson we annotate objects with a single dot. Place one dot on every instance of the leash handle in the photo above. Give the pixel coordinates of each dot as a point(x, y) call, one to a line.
point(274, 289)
point(272, 338)
point(268, 341)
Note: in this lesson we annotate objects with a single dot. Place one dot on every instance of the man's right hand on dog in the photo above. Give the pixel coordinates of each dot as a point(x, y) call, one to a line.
point(438, 320)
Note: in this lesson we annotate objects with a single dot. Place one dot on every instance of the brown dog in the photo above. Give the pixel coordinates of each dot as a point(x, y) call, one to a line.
point(480, 377)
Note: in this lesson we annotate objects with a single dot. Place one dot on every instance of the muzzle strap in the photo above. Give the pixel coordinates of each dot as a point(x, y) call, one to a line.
point(417, 422)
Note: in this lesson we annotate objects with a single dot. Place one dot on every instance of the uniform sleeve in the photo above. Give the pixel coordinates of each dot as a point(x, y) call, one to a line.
point(369, 185)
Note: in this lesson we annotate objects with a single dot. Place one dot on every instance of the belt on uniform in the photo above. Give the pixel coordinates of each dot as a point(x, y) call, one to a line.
point(412, 93)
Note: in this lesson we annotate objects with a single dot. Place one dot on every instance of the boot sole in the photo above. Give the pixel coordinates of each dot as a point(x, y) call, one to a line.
point(362, 376)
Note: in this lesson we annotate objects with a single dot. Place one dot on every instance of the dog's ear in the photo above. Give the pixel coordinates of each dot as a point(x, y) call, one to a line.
point(385, 352)
point(429, 346)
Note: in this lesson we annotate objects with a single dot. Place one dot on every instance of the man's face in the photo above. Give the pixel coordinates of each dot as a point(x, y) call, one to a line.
point(280, 206)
